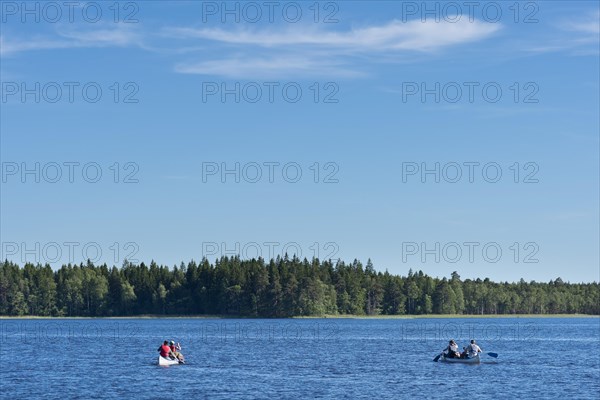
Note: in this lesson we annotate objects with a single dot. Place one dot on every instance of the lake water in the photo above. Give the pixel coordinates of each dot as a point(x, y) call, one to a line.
point(310, 358)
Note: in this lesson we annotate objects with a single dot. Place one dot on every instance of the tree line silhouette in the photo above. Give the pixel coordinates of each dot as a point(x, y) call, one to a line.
point(282, 287)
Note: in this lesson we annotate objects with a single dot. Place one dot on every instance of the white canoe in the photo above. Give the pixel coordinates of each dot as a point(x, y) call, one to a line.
point(167, 361)
point(472, 360)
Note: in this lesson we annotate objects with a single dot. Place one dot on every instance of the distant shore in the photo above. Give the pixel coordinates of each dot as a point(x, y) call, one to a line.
point(428, 316)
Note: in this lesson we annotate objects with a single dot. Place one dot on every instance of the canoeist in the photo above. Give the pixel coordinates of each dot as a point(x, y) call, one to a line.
point(452, 350)
point(165, 350)
point(472, 350)
point(176, 350)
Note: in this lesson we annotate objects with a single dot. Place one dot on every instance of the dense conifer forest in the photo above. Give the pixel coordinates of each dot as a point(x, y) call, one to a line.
point(283, 287)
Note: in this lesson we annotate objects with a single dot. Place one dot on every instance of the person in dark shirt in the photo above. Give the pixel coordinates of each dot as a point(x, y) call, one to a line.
point(452, 350)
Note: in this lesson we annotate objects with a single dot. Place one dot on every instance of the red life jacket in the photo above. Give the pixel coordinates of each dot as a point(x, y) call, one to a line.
point(164, 350)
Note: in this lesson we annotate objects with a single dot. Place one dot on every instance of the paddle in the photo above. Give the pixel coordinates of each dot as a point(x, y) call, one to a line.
point(495, 355)
point(437, 357)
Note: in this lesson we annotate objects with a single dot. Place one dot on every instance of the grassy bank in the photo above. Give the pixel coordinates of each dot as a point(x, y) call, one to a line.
point(461, 316)
point(346, 316)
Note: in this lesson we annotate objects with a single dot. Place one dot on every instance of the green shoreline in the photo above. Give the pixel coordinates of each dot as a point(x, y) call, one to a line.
point(429, 316)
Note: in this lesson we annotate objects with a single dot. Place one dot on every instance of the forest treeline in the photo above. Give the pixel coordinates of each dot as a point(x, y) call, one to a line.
point(283, 287)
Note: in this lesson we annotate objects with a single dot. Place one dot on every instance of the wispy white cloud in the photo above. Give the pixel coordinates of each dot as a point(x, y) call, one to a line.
point(104, 37)
point(120, 36)
point(272, 67)
point(395, 35)
point(578, 37)
point(302, 51)
point(251, 53)
point(587, 24)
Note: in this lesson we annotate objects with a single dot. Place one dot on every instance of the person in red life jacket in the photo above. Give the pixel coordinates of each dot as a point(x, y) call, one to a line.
point(176, 350)
point(165, 350)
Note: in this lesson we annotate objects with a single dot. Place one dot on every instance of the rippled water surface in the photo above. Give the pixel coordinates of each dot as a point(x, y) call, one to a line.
point(312, 358)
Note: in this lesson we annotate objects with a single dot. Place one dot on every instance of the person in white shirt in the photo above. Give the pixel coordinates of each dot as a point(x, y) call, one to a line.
point(452, 350)
point(472, 350)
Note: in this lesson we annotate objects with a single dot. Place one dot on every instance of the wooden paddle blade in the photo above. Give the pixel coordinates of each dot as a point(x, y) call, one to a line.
point(437, 358)
point(495, 355)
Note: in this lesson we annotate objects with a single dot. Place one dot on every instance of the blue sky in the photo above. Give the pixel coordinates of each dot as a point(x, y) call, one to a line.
point(362, 117)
